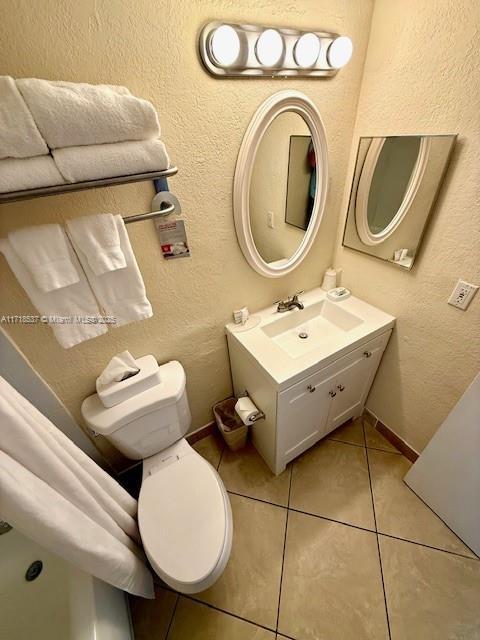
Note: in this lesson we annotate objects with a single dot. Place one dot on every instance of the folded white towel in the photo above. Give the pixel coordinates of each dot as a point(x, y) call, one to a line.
point(77, 300)
point(45, 252)
point(69, 114)
point(120, 367)
point(121, 293)
point(19, 136)
point(97, 236)
point(18, 174)
point(78, 164)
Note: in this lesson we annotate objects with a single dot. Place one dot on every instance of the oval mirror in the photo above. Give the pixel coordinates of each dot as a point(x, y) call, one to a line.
point(390, 178)
point(280, 183)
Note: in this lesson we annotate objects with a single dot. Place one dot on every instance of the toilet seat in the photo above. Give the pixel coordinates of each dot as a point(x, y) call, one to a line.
point(184, 518)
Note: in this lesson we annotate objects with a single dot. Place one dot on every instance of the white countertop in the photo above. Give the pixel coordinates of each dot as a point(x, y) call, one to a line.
point(285, 370)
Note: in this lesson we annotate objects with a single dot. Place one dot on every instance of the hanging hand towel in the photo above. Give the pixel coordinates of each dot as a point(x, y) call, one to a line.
point(18, 174)
point(68, 114)
point(55, 494)
point(121, 293)
point(19, 136)
point(78, 164)
point(97, 237)
point(45, 252)
point(75, 302)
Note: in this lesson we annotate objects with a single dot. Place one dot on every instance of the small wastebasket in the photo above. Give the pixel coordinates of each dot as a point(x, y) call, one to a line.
point(233, 430)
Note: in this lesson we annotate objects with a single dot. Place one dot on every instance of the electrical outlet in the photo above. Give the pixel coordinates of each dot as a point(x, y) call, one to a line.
point(270, 220)
point(463, 294)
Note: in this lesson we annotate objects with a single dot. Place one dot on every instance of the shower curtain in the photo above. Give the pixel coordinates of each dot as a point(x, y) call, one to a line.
point(52, 492)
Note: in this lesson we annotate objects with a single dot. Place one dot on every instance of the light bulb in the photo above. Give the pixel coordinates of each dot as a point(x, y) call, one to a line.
point(307, 50)
point(225, 45)
point(269, 48)
point(339, 52)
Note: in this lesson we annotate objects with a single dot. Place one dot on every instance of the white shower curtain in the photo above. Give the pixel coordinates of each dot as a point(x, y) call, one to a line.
point(51, 491)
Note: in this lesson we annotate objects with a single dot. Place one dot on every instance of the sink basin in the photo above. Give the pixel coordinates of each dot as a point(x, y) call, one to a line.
point(304, 329)
point(289, 346)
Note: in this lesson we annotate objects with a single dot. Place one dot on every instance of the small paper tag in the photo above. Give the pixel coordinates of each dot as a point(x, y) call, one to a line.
point(173, 239)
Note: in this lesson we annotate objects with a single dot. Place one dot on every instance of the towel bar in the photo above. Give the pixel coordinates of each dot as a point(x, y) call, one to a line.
point(150, 215)
point(14, 196)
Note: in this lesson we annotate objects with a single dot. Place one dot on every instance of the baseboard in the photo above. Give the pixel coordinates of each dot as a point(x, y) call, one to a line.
point(200, 433)
point(391, 436)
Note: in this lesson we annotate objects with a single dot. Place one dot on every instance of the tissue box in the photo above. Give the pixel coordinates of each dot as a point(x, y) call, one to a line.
point(114, 393)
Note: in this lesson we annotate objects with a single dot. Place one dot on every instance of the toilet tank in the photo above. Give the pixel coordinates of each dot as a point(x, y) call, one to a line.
point(148, 421)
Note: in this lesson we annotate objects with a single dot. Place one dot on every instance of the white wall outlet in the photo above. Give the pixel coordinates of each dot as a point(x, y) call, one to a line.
point(270, 220)
point(463, 294)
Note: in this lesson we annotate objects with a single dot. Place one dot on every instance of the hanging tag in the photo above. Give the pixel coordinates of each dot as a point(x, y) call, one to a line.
point(173, 238)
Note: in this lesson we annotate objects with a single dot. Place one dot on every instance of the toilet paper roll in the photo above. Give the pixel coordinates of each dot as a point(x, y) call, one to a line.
point(246, 410)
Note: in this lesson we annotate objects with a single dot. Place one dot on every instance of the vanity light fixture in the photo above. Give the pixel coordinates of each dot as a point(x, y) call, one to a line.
point(254, 50)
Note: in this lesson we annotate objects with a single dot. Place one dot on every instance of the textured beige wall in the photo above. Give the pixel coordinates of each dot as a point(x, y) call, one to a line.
point(151, 46)
point(422, 75)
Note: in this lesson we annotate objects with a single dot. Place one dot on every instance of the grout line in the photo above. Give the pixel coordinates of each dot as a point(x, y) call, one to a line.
point(284, 547)
point(173, 615)
point(228, 613)
point(365, 446)
point(346, 524)
point(221, 457)
point(376, 534)
point(428, 546)
point(243, 495)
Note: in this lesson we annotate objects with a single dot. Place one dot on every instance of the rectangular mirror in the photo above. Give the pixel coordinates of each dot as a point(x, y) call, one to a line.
point(395, 185)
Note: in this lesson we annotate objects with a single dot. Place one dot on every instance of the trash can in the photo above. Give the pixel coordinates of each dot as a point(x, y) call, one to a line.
point(233, 430)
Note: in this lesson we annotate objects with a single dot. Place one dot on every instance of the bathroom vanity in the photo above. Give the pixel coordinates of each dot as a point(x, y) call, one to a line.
point(309, 370)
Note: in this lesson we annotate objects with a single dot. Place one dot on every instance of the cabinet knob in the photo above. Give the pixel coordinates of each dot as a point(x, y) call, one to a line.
point(340, 387)
point(332, 394)
point(311, 388)
point(367, 354)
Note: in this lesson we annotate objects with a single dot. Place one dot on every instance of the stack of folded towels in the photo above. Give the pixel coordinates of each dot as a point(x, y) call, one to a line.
point(54, 133)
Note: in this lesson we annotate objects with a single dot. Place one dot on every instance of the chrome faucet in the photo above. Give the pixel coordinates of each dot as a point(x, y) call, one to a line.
point(289, 303)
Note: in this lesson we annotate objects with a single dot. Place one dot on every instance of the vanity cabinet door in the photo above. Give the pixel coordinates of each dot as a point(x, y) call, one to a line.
point(302, 414)
point(352, 384)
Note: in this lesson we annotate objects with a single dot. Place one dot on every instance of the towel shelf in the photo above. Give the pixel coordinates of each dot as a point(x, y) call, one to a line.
point(14, 196)
point(150, 215)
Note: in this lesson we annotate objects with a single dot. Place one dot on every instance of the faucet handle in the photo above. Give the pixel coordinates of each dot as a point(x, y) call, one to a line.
point(299, 293)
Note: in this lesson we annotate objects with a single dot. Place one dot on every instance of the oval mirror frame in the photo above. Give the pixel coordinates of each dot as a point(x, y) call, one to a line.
point(296, 102)
point(363, 191)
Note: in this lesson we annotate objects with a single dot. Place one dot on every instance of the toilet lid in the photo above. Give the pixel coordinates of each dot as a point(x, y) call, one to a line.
point(182, 518)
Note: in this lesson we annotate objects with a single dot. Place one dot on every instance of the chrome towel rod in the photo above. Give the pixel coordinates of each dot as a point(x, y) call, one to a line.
point(151, 215)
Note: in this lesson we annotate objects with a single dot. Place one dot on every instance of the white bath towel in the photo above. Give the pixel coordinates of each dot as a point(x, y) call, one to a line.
point(70, 114)
point(18, 174)
point(120, 293)
point(78, 164)
point(45, 252)
point(19, 135)
point(97, 237)
point(55, 494)
point(74, 307)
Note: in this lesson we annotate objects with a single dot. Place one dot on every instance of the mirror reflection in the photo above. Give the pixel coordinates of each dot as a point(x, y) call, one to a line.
point(283, 187)
point(395, 184)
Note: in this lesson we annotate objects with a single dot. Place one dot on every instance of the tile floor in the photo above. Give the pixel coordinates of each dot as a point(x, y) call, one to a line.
point(335, 548)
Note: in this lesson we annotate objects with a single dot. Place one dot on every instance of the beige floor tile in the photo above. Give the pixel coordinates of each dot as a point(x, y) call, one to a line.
point(151, 618)
point(210, 448)
point(250, 585)
point(332, 585)
point(351, 431)
point(375, 440)
point(195, 621)
point(431, 595)
point(245, 472)
point(400, 512)
point(331, 480)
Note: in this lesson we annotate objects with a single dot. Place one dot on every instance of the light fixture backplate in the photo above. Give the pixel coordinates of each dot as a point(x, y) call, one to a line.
point(247, 64)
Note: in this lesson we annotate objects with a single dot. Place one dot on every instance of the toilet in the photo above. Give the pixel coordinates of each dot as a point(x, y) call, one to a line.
point(184, 513)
